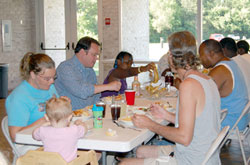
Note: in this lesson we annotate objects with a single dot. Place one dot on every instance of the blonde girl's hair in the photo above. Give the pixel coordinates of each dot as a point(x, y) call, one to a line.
point(32, 62)
point(182, 46)
point(58, 109)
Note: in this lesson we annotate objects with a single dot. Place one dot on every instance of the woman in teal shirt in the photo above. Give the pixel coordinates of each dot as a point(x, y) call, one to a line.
point(26, 104)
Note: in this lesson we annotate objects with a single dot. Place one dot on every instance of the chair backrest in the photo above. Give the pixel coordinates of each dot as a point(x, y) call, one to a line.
point(243, 113)
point(5, 129)
point(223, 114)
point(215, 145)
point(38, 157)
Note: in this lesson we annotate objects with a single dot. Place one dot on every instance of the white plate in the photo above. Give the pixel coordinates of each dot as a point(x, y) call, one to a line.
point(127, 123)
point(139, 112)
point(171, 110)
point(137, 108)
point(83, 118)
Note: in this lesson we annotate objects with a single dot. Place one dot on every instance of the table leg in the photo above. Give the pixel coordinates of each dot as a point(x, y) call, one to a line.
point(104, 157)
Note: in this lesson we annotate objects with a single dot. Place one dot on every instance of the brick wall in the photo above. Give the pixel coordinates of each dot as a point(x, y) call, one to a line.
point(22, 16)
point(111, 34)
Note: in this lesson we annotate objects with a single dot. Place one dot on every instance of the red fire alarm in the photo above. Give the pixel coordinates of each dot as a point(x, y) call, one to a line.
point(107, 21)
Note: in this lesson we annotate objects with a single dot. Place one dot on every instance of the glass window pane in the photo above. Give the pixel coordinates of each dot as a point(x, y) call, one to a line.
point(226, 18)
point(87, 22)
point(167, 17)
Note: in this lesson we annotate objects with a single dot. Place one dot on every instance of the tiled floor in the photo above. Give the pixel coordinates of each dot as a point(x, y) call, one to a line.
point(230, 155)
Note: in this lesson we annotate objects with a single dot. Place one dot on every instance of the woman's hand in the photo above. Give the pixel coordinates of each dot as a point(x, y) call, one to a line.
point(158, 111)
point(150, 67)
point(141, 121)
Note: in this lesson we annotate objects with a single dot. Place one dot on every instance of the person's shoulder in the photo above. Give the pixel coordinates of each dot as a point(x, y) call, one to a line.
point(246, 57)
point(188, 83)
point(65, 64)
point(219, 69)
point(19, 92)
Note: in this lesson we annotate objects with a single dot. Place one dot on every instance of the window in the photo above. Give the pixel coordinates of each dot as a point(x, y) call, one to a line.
point(87, 13)
point(167, 17)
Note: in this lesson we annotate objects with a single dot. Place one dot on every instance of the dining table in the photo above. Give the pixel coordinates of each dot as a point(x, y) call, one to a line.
point(125, 139)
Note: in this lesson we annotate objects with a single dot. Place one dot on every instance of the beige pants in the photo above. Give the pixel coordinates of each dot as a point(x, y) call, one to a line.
point(163, 157)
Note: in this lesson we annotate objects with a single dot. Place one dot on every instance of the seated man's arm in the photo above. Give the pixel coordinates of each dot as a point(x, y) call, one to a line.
point(112, 86)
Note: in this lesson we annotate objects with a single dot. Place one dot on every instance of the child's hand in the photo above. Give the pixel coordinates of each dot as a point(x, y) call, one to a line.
point(66, 98)
point(79, 122)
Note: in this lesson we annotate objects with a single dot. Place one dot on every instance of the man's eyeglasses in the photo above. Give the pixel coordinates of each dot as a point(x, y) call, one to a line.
point(47, 78)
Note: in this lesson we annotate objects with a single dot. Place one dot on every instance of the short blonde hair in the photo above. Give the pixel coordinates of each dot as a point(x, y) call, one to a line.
point(58, 108)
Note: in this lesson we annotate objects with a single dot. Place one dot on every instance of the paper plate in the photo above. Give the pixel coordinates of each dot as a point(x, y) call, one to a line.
point(126, 121)
point(139, 112)
point(83, 118)
point(171, 110)
point(83, 115)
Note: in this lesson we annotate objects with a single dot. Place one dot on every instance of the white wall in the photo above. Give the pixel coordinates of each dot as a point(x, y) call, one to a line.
point(135, 28)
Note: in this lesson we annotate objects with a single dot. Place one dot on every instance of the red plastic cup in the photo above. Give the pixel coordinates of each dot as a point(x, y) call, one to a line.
point(130, 97)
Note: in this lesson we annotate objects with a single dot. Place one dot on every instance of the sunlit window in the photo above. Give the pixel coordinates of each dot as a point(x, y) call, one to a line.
point(167, 17)
point(87, 22)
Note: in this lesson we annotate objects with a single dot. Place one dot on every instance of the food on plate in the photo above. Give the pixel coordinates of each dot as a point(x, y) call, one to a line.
point(126, 121)
point(127, 118)
point(111, 132)
point(119, 97)
point(81, 112)
point(107, 100)
point(145, 109)
point(156, 91)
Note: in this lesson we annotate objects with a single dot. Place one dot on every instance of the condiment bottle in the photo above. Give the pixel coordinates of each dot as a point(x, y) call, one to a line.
point(136, 86)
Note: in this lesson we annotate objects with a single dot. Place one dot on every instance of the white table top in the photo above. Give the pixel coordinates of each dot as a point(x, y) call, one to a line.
point(126, 139)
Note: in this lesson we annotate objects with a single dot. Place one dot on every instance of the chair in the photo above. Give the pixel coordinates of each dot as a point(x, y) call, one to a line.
point(215, 145)
point(223, 115)
point(234, 133)
point(5, 130)
point(40, 157)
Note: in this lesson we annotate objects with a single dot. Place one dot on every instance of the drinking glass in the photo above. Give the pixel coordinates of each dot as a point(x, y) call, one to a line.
point(115, 110)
